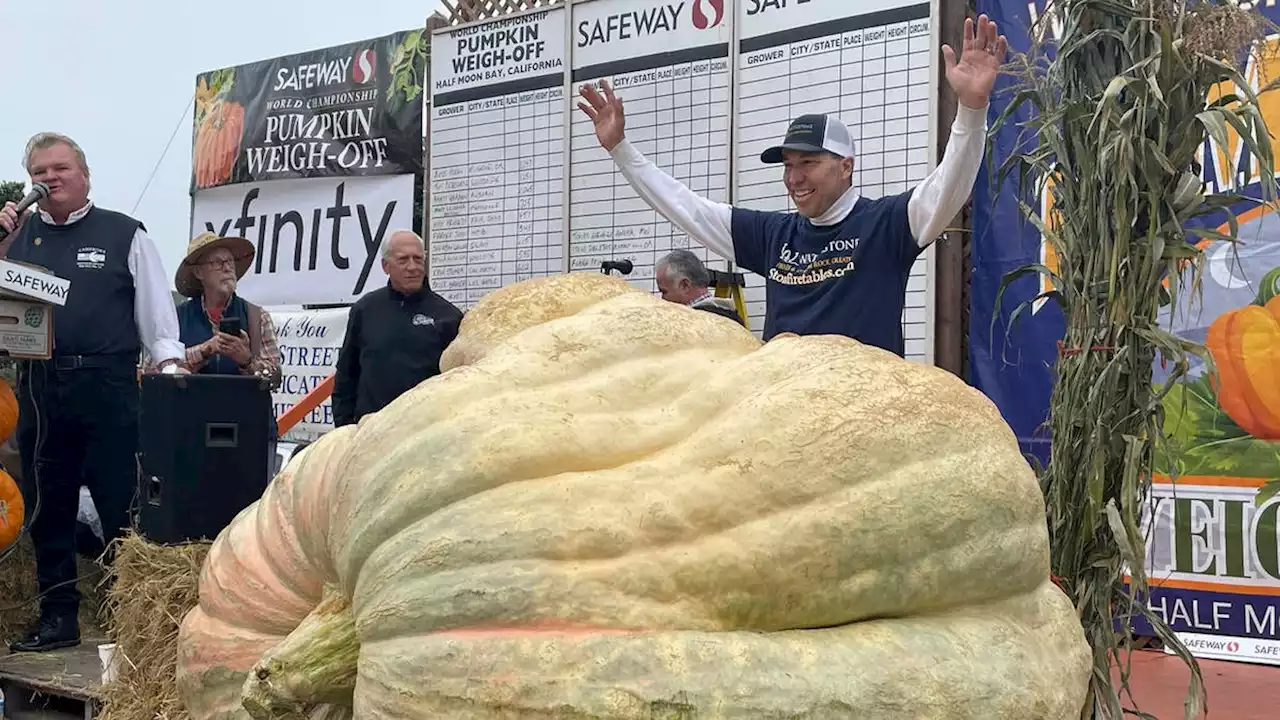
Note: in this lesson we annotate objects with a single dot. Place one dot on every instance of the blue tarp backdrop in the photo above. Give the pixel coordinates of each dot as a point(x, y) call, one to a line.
point(1012, 366)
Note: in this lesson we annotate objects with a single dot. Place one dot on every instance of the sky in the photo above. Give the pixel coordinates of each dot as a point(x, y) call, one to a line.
point(118, 77)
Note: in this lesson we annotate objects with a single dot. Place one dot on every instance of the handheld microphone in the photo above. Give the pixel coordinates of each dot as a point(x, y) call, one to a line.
point(39, 191)
point(624, 267)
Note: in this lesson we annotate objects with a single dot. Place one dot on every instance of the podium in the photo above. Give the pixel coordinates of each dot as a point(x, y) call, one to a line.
point(205, 453)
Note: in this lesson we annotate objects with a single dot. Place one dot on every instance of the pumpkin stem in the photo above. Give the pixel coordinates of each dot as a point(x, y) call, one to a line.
point(314, 665)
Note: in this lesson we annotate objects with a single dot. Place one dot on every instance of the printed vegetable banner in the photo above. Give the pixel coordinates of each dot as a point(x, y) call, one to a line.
point(348, 110)
point(1213, 548)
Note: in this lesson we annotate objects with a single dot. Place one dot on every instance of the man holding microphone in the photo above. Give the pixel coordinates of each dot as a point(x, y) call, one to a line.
point(78, 411)
point(840, 264)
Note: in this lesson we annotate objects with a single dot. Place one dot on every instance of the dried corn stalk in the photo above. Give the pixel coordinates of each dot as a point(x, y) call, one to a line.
point(1119, 115)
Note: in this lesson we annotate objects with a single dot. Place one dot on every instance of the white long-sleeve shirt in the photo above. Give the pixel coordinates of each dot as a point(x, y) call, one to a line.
point(934, 203)
point(153, 308)
point(844, 272)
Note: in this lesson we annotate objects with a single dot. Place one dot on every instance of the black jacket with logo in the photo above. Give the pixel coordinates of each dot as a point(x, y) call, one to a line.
point(393, 342)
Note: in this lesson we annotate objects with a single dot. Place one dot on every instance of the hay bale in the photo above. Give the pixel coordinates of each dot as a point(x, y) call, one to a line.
point(153, 587)
point(20, 606)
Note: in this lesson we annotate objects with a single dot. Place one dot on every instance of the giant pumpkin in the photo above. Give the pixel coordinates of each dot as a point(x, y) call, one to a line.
point(1245, 345)
point(610, 506)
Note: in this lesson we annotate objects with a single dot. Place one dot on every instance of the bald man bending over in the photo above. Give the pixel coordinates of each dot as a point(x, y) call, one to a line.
point(395, 334)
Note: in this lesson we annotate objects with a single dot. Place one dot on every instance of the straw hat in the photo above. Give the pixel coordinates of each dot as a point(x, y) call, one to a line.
point(186, 281)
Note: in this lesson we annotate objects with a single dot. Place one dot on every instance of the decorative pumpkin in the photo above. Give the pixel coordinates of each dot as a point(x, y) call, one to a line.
point(1269, 287)
point(611, 506)
point(8, 411)
point(1245, 345)
point(11, 510)
point(218, 143)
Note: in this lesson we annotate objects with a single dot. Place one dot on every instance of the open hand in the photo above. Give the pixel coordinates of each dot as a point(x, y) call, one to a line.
point(605, 112)
point(974, 74)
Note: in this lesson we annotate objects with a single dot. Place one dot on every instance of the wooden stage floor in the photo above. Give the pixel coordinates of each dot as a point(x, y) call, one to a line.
point(58, 685)
point(1237, 691)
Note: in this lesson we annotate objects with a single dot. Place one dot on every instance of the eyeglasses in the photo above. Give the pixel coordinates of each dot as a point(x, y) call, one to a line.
point(220, 263)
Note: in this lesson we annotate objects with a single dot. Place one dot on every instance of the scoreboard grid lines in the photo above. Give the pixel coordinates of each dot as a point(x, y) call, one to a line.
point(842, 67)
point(671, 100)
point(702, 113)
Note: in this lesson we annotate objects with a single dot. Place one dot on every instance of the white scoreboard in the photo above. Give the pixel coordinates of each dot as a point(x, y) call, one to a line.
point(521, 188)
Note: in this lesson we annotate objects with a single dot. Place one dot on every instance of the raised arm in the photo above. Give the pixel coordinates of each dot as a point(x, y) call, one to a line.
point(706, 221)
point(944, 191)
point(972, 75)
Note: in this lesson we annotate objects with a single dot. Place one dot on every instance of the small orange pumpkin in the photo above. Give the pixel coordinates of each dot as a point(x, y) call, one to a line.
point(8, 411)
point(1245, 344)
point(11, 510)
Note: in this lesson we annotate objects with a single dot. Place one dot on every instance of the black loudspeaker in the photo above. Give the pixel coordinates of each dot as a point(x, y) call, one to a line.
point(206, 453)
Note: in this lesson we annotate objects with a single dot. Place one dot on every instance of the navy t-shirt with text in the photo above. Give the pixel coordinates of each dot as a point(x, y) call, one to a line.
point(845, 279)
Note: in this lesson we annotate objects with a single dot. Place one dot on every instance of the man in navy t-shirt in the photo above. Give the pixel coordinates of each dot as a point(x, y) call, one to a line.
point(840, 263)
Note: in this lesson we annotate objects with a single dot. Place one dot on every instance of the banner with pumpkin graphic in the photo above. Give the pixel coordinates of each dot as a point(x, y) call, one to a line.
point(1213, 536)
point(348, 110)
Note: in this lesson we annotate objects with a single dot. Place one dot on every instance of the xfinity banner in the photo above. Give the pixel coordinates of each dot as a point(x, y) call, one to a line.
point(350, 110)
point(318, 241)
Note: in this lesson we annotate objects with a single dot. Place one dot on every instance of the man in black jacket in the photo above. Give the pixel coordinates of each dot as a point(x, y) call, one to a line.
point(395, 335)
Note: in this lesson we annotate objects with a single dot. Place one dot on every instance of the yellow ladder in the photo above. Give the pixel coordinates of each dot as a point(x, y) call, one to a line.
point(730, 284)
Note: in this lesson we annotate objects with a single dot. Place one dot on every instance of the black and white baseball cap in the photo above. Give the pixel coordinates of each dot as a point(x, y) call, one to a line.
point(813, 133)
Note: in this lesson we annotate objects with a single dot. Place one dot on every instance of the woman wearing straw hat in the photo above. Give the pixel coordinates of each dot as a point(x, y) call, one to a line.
point(208, 276)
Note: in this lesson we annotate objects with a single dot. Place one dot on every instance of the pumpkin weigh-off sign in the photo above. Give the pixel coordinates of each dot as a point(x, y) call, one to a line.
point(347, 110)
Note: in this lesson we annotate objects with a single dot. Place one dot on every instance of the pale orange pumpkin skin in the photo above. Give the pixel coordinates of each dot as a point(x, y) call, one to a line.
point(11, 510)
point(1245, 344)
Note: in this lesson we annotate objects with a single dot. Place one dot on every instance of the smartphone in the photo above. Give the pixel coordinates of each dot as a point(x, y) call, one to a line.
point(230, 326)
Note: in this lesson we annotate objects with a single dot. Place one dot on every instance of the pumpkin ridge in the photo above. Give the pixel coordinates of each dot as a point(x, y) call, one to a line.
point(652, 551)
point(598, 479)
point(395, 519)
point(275, 517)
point(809, 673)
point(500, 437)
point(551, 626)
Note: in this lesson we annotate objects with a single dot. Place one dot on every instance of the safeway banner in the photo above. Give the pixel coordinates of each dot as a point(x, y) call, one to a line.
point(1213, 549)
point(348, 110)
